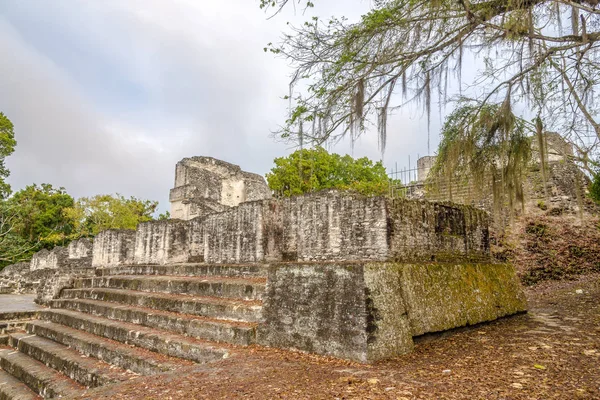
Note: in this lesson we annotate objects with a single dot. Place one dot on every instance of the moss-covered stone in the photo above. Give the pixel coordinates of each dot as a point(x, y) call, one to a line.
point(445, 296)
point(371, 311)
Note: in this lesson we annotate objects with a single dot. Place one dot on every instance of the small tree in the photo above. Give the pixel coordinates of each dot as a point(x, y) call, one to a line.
point(310, 170)
point(491, 148)
point(40, 214)
point(7, 147)
point(13, 248)
point(595, 188)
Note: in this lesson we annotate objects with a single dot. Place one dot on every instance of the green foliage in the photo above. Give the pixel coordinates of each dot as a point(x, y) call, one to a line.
point(486, 145)
point(91, 215)
point(40, 214)
point(7, 147)
point(44, 217)
point(13, 248)
point(310, 170)
point(537, 229)
point(349, 74)
point(595, 188)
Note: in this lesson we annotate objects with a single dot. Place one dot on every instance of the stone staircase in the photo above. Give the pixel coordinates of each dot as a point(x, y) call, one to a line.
point(130, 321)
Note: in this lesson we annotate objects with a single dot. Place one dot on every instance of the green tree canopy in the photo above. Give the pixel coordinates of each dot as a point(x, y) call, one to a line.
point(542, 54)
point(39, 214)
point(92, 215)
point(7, 147)
point(310, 170)
point(13, 248)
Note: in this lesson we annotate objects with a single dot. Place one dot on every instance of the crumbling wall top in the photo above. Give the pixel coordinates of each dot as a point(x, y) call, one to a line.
point(204, 185)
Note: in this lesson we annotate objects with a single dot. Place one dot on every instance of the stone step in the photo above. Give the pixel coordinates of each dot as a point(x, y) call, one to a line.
point(241, 333)
point(248, 311)
point(13, 321)
point(233, 270)
point(156, 340)
point(236, 288)
point(140, 361)
point(40, 378)
point(13, 389)
point(87, 371)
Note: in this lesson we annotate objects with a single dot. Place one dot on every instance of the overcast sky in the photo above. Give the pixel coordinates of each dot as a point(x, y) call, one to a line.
point(106, 96)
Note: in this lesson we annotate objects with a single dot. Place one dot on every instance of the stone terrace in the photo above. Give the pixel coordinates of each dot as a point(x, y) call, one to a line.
point(314, 273)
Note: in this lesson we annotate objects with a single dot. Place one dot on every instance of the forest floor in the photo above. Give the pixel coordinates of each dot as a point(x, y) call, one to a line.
point(551, 352)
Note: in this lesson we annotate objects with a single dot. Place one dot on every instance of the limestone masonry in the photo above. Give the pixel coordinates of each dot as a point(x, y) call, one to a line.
point(330, 273)
point(204, 185)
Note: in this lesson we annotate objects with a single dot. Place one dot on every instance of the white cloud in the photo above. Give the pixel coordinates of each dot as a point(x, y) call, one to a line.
point(108, 96)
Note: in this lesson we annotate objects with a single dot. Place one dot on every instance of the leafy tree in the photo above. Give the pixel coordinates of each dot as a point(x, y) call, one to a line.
point(13, 248)
point(39, 214)
point(92, 215)
point(543, 54)
point(310, 170)
point(7, 147)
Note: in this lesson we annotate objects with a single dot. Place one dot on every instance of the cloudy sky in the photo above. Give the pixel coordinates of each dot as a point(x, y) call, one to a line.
point(106, 96)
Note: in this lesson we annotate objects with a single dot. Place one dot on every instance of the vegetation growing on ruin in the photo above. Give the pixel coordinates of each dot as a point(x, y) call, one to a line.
point(595, 188)
point(554, 248)
point(542, 54)
point(311, 170)
point(488, 148)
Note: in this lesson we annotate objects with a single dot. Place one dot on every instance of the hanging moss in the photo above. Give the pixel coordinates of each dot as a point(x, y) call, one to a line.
point(484, 147)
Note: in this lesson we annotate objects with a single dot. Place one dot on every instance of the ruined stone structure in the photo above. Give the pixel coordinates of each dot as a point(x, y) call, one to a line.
point(46, 266)
point(204, 185)
point(330, 273)
point(561, 194)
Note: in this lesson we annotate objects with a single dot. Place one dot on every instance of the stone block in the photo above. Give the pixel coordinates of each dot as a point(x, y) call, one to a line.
point(242, 234)
point(425, 231)
point(49, 259)
point(371, 311)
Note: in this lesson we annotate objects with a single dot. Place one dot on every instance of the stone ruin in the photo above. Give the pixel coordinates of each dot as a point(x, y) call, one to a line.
point(560, 196)
point(330, 273)
point(205, 185)
point(46, 266)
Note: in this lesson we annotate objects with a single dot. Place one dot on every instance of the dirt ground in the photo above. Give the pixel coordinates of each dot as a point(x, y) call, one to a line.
point(552, 352)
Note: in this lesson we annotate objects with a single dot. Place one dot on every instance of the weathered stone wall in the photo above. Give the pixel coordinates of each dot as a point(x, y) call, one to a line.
point(80, 249)
point(17, 278)
point(49, 259)
point(371, 311)
point(238, 235)
point(324, 226)
point(46, 267)
point(161, 242)
point(425, 231)
point(331, 225)
point(113, 247)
